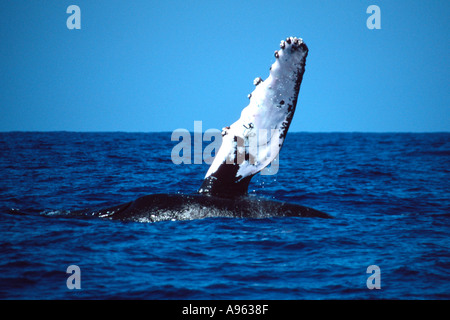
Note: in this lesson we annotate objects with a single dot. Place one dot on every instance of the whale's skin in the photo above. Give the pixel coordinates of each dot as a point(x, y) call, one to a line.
point(255, 139)
point(163, 207)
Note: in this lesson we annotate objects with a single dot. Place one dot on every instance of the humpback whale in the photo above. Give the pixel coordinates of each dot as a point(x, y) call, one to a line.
point(248, 146)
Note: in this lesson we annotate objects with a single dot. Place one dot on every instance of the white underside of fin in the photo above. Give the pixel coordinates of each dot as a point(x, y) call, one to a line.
point(253, 141)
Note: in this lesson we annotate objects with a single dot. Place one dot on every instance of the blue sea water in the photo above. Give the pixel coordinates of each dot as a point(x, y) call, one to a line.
point(388, 193)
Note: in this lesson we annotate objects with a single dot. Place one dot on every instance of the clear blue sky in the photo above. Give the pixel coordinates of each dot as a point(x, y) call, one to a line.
point(161, 65)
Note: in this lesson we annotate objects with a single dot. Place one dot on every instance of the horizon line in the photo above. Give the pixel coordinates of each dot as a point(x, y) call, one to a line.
point(191, 131)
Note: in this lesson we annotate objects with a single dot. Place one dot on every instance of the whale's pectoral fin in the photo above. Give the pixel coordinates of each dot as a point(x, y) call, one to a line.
point(252, 142)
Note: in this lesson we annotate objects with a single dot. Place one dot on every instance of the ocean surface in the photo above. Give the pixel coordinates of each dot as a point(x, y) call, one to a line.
point(389, 194)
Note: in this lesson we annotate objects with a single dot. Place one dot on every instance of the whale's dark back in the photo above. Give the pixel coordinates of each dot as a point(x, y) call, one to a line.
point(160, 207)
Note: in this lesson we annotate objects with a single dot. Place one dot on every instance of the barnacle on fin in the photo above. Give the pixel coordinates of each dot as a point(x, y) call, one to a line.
point(257, 81)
